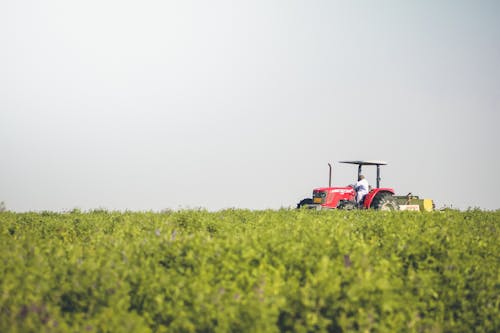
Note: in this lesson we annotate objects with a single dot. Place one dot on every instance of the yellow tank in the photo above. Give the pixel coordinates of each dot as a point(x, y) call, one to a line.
point(427, 205)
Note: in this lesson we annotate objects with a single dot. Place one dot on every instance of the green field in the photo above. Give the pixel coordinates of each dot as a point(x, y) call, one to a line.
point(250, 271)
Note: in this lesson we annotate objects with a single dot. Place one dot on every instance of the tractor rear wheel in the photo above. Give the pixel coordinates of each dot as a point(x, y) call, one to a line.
point(385, 201)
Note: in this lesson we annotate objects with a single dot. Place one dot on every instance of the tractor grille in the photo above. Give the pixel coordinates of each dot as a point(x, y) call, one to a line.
point(319, 197)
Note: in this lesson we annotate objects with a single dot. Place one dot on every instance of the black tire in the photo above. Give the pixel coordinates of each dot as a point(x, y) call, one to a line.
point(347, 205)
point(385, 201)
point(305, 202)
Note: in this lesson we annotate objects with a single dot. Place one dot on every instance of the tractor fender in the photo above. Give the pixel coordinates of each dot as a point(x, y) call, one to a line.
point(373, 193)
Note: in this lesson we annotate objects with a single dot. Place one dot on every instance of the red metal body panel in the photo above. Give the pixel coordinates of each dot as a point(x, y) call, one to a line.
point(334, 195)
point(371, 195)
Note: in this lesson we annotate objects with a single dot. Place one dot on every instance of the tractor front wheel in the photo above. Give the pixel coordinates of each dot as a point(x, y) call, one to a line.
point(305, 202)
point(385, 201)
point(346, 205)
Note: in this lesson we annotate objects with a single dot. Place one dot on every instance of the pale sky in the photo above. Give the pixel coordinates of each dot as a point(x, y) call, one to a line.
point(147, 105)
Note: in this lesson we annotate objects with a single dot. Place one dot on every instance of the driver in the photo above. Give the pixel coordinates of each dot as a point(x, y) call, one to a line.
point(361, 189)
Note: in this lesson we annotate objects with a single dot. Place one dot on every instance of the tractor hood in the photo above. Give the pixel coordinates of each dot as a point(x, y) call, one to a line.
point(335, 189)
point(329, 197)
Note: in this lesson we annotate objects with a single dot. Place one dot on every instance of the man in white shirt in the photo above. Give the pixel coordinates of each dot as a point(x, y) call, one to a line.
point(361, 188)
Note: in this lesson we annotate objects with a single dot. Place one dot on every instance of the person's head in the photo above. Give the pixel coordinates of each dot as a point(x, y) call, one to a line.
point(361, 177)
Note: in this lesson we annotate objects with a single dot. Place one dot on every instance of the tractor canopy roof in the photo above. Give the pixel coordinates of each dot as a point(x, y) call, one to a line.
point(371, 162)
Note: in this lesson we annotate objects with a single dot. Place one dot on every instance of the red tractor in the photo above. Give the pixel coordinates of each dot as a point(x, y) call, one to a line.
point(381, 198)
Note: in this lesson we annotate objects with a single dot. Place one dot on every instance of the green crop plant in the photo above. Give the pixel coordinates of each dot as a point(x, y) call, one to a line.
point(250, 271)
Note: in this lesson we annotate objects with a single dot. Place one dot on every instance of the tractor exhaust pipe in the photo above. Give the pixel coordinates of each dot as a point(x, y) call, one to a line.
point(330, 176)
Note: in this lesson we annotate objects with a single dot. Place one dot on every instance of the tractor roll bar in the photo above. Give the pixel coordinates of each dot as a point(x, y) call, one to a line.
point(361, 163)
point(378, 176)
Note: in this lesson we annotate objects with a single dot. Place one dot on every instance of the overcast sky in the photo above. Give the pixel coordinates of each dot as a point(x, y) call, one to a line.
point(147, 105)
